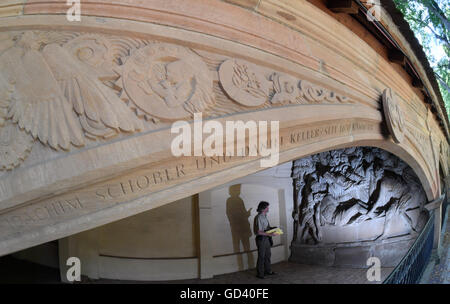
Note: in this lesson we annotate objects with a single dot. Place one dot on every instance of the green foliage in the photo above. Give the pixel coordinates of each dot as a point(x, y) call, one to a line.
point(429, 20)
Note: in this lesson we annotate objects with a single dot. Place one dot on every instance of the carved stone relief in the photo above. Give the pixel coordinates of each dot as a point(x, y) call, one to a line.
point(250, 85)
point(244, 82)
point(66, 88)
point(57, 90)
point(167, 81)
point(354, 187)
point(394, 115)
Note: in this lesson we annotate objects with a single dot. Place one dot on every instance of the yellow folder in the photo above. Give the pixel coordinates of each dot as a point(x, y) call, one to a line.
point(276, 230)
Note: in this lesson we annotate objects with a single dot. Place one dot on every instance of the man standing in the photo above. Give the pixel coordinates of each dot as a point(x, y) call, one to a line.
point(263, 240)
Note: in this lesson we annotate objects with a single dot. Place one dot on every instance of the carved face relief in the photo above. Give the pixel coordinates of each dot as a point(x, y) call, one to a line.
point(168, 81)
point(244, 83)
point(394, 115)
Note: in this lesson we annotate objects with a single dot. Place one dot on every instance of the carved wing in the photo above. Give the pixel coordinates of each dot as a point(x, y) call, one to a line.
point(6, 90)
point(37, 104)
point(91, 99)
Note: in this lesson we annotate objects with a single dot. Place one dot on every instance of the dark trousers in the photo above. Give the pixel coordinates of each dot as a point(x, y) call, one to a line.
point(263, 264)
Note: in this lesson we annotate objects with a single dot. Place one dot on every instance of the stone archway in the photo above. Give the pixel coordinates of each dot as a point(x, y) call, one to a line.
point(155, 184)
point(71, 165)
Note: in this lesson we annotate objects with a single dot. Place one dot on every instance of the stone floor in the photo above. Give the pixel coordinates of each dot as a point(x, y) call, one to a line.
point(15, 271)
point(291, 273)
point(440, 273)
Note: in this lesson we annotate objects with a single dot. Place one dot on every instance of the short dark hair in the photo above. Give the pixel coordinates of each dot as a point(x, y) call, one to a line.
point(262, 205)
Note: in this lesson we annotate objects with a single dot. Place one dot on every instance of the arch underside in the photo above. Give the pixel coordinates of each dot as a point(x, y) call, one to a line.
point(154, 184)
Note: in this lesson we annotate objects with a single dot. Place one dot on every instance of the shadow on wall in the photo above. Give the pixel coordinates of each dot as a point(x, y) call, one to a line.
point(241, 232)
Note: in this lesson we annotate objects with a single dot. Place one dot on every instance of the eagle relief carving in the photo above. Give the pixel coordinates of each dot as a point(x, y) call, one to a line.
point(55, 92)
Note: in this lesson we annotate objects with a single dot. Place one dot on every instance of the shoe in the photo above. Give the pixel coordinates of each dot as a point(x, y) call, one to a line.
point(260, 277)
point(270, 273)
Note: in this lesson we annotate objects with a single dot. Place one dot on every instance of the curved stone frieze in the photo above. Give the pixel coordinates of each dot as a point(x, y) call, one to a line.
point(63, 87)
point(394, 115)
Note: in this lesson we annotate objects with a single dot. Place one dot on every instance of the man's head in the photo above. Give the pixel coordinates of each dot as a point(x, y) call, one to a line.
point(263, 207)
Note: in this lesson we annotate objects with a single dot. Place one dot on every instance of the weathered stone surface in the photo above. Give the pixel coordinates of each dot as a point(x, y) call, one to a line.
point(308, 254)
point(355, 194)
point(390, 254)
point(351, 257)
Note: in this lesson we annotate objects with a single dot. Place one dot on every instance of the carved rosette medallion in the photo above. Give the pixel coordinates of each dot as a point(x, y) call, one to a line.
point(168, 81)
point(243, 83)
point(394, 115)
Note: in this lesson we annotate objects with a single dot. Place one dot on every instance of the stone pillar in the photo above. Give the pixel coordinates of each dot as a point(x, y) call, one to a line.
point(205, 235)
point(436, 207)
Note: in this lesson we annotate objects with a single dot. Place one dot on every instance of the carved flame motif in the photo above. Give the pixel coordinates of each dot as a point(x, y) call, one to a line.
point(167, 81)
point(242, 82)
point(393, 115)
point(246, 80)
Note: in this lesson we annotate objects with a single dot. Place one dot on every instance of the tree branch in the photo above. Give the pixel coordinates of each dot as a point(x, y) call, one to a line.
point(434, 7)
point(439, 37)
point(443, 83)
